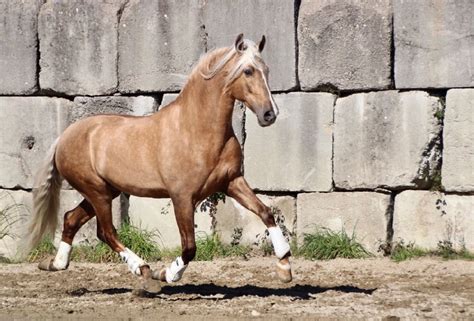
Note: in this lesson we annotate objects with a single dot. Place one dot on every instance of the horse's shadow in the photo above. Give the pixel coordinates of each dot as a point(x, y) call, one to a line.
point(213, 291)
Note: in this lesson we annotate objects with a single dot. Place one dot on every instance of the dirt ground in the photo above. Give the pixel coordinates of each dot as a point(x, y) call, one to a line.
point(227, 289)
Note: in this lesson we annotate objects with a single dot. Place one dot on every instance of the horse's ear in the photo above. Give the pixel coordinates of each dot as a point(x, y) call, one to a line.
point(261, 44)
point(239, 43)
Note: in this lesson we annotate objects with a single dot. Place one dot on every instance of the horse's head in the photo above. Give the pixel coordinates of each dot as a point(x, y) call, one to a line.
point(248, 80)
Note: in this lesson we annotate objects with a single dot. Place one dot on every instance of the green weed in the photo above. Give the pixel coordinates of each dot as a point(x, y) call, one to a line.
point(401, 252)
point(210, 246)
point(325, 244)
point(42, 250)
point(447, 251)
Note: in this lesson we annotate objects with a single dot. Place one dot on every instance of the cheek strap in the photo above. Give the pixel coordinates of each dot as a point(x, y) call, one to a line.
point(280, 245)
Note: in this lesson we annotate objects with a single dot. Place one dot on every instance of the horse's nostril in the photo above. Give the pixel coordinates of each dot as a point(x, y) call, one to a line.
point(269, 115)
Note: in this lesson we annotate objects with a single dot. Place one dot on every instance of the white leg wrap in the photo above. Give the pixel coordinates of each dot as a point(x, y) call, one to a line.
point(61, 261)
point(133, 261)
point(280, 245)
point(176, 270)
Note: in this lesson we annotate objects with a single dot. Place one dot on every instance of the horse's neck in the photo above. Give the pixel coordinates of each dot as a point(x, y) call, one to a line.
point(205, 107)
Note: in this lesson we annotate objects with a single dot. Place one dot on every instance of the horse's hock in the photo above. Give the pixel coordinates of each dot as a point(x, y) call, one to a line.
point(355, 153)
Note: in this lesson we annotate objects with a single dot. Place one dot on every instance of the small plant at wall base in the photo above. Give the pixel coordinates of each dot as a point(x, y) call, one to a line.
point(211, 246)
point(210, 203)
point(324, 244)
point(445, 250)
point(401, 252)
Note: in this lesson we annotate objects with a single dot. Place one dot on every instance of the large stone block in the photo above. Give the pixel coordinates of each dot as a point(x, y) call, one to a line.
point(386, 139)
point(157, 216)
point(427, 218)
point(362, 214)
point(257, 18)
point(294, 154)
point(235, 224)
point(433, 43)
point(29, 127)
point(344, 44)
point(458, 133)
point(136, 106)
point(167, 99)
point(159, 43)
point(18, 46)
point(78, 44)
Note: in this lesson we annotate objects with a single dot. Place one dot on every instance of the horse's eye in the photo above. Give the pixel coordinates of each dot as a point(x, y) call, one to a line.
point(248, 71)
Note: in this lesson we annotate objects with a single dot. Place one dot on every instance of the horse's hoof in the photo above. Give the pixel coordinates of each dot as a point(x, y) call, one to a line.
point(47, 264)
point(284, 270)
point(148, 284)
point(160, 275)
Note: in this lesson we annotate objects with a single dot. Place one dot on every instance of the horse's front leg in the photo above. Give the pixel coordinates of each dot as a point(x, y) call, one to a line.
point(184, 213)
point(241, 192)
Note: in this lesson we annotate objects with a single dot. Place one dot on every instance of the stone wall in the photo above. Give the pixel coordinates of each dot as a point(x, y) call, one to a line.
point(376, 99)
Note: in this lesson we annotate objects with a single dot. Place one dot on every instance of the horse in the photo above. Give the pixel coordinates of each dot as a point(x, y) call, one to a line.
point(185, 152)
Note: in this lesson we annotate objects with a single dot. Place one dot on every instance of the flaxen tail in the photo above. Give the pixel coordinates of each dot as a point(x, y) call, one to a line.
point(46, 189)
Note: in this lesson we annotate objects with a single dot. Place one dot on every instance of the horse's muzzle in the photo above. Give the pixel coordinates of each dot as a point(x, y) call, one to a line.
point(267, 118)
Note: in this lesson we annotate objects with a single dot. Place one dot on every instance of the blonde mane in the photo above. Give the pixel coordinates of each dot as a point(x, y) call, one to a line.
point(215, 61)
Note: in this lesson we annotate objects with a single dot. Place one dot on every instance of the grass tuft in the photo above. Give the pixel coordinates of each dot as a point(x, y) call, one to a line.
point(402, 252)
point(445, 249)
point(325, 244)
point(210, 246)
point(42, 250)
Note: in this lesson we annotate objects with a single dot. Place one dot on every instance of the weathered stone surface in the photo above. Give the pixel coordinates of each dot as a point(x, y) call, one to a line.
point(29, 127)
point(236, 224)
point(159, 43)
point(78, 44)
point(458, 133)
point(295, 153)
point(363, 214)
point(157, 216)
point(344, 44)
point(18, 46)
point(433, 43)
point(386, 139)
point(426, 218)
point(167, 99)
point(136, 106)
point(257, 18)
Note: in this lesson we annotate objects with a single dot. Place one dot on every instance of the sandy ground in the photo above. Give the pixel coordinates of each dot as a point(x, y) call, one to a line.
point(237, 289)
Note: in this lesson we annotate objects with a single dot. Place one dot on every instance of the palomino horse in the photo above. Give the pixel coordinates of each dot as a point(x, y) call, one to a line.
point(186, 151)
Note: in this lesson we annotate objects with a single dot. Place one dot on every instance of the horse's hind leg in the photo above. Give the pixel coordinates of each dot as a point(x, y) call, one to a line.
point(241, 192)
point(73, 220)
point(102, 205)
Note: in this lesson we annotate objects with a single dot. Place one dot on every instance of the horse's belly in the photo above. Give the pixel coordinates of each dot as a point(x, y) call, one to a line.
point(136, 181)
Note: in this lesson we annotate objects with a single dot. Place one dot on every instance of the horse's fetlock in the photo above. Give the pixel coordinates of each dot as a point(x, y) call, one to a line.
point(189, 253)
